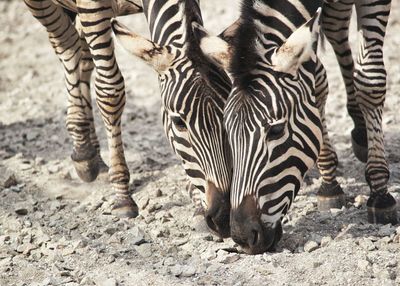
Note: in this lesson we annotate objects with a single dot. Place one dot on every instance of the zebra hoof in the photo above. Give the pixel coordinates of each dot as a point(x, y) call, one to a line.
point(125, 208)
point(359, 142)
point(330, 196)
point(86, 164)
point(382, 209)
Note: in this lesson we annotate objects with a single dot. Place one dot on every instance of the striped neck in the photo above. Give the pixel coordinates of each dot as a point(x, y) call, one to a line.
point(170, 20)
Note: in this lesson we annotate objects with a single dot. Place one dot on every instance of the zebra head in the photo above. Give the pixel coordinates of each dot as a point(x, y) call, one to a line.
point(194, 92)
point(271, 118)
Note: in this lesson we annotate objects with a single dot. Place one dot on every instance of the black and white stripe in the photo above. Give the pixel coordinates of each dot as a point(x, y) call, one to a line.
point(193, 94)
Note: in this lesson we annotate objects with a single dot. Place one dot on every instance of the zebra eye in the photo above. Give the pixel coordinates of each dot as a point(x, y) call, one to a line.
point(276, 131)
point(179, 123)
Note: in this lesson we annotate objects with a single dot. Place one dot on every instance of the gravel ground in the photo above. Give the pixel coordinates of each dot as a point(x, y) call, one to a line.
point(56, 230)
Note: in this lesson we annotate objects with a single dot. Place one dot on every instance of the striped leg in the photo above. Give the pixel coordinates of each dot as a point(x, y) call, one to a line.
point(110, 95)
point(370, 86)
point(86, 67)
point(65, 41)
point(330, 194)
point(335, 23)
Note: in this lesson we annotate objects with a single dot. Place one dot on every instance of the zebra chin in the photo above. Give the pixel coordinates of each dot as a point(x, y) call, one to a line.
point(248, 230)
point(217, 215)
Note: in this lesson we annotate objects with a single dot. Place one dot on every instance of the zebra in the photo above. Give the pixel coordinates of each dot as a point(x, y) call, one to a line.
point(275, 117)
point(193, 91)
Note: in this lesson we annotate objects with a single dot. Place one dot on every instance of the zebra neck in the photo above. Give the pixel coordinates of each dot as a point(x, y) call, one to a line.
point(170, 20)
point(275, 20)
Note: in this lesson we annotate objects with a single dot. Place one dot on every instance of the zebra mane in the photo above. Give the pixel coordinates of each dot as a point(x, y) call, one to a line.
point(244, 50)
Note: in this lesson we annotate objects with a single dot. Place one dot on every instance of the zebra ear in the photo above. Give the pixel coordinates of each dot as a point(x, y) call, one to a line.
point(229, 33)
point(298, 48)
point(215, 48)
point(159, 57)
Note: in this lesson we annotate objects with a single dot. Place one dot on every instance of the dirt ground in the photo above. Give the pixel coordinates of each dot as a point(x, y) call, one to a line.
point(56, 230)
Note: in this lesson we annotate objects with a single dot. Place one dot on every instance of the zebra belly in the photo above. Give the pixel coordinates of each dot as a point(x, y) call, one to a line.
point(120, 7)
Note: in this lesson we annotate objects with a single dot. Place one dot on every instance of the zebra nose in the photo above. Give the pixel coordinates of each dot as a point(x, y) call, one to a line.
point(218, 213)
point(254, 237)
point(250, 232)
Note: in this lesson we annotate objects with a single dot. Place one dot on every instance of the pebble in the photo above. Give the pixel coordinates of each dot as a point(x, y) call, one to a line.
point(107, 282)
point(336, 212)
point(325, 241)
point(154, 207)
point(10, 181)
point(386, 230)
point(367, 244)
point(359, 201)
point(39, 161)
point(159, 193)
point(54, 168)
point(136, 236)
point(176, 270)
point(363, 264)
point(21, 211)
point(310, 246)
point(188, 271)
point(144, 250)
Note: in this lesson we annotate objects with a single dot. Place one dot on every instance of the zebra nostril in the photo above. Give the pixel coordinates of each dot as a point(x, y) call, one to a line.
point(254, 238)
point(210, 222)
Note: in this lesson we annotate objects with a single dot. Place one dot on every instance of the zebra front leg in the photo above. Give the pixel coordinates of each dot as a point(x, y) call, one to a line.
point(330, 195)
point(110, 96)
point(86, 67)
point(335, 24)
point(65, 41)
point(370, 86)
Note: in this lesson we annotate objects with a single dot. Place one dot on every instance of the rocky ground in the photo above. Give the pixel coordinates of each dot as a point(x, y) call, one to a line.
point(56, 230)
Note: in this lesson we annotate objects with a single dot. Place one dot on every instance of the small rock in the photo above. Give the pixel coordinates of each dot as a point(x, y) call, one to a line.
point(336, 212)
point(21, 211)
point(54, 168)
point(391, 264)
point(230, 258)
point(144, 250)
point(359, 201)
point(325, 241)
point(367, 244)
point(310, 246)
point(176, 270)
point(154, 207)
point(107, 282)
point(386, 230)
point(10, 181)
point(381, 273)
point(169, 261)
point(136, 236)
point(144, 203)
point(363, 264)
point(188, 271)
point(39, 161)
point(159, 193)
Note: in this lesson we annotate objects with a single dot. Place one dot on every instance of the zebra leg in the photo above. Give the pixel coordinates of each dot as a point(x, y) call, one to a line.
point(86, 67)
point(65, 41)
point(110, 96)
point(370, 86)
point(330, 195)
point(335, 24)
